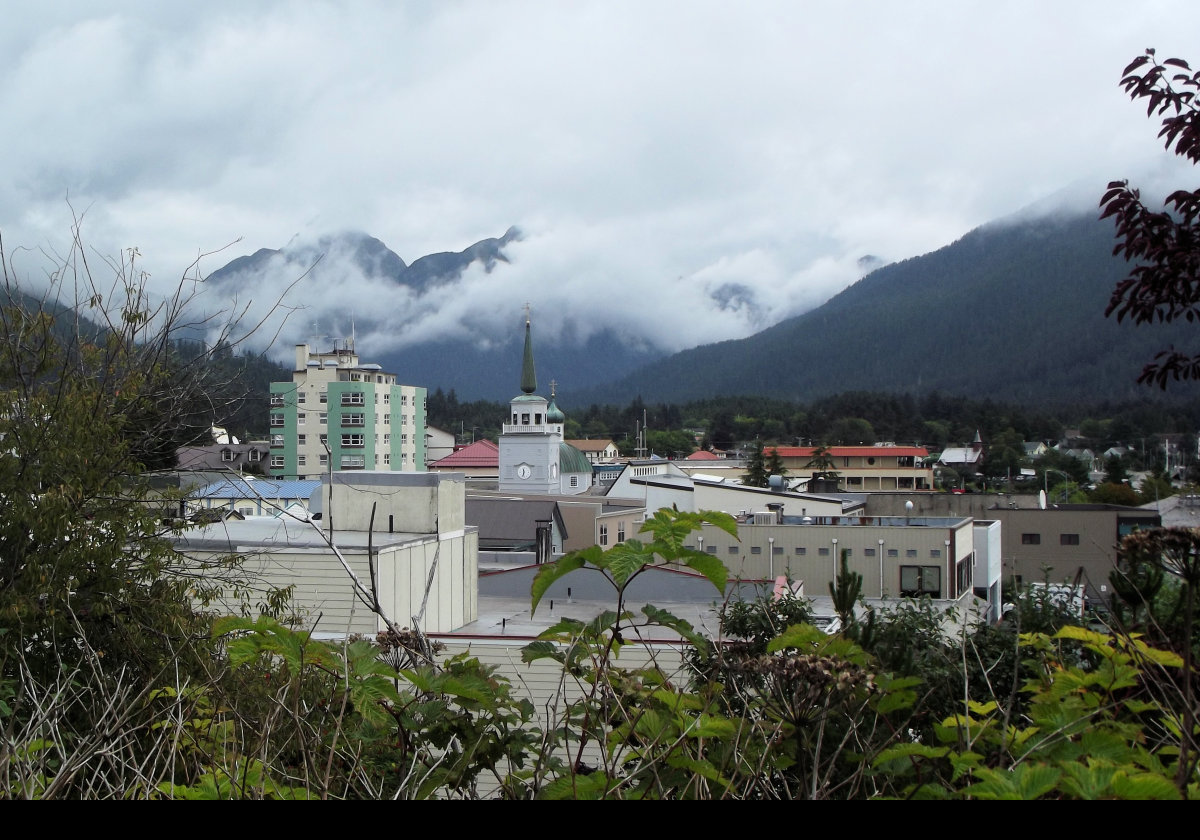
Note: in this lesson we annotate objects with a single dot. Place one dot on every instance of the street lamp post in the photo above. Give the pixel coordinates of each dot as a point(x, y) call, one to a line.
point(1046, 482)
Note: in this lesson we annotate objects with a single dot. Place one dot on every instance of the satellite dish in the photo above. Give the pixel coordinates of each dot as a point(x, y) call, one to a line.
point(908, 506)
point(1042, 499)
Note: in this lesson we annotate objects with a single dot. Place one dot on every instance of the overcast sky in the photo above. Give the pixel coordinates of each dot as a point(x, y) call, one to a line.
point(654, 154)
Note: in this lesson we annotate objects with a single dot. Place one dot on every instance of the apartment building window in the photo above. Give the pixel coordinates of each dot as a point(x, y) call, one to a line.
point(918, 581)
point(323, 459)
point(387, 420)
point(404, 458)
point(403, 419)
point(403, 440)
point(323, 398)
point(353, 440)
point(276, 400)
point(1068, 539)
point(277, 420)
point(300, 419)
point(603, 535)
point(387, 438)
point(301, 397)
point(324, 439)
point(301, 440)
point(1031, 539)
point(355, 419)
point(276, 440)
point(387, 458)
point(301, 460)
point(387, 398)
point(354, 398)
point(353, 462)
point(276, 462)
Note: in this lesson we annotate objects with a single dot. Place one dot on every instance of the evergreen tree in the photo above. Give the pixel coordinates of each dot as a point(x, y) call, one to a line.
point(756, 470)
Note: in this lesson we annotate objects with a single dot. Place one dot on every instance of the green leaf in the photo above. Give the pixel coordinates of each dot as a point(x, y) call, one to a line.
point(550, 572)
point(626, 559)
point(1144, 786)
point(578, 786)
point(681, 626)
point(801, 636)
point(534, 651)
point(709, 566)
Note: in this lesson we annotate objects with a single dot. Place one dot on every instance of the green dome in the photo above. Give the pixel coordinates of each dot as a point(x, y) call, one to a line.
point(554, 414)
point(571, 460)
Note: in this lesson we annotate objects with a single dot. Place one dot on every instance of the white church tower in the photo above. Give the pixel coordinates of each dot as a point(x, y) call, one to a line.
point(531, 439)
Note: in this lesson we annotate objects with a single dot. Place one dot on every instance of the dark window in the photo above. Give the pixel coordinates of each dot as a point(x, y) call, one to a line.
point(1068, 539)
point(917, 581)
point(824, 552)
point(893, 552)
point(869, 552)
point(756, 549)
point(1031, 539)
point(801, 550)
point(733, 549)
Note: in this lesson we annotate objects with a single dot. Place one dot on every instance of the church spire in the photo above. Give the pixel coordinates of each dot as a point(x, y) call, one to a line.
point(528, 373)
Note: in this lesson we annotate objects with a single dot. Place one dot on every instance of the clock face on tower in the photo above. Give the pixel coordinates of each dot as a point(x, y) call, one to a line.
point(524, 471)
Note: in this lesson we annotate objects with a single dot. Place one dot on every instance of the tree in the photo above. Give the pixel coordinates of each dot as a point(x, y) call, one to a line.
point(775, 463)
point(756, 469)
point(1164, 284)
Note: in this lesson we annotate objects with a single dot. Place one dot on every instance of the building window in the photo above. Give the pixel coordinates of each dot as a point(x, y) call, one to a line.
point(353, 462)
point(910, 552)
point(387, 439)
point(276, 399)
point(1031, 539)
point(354, 398)
point(603, 535)
point(574, 481)
point(301, 440)
point(1068, 539)
point(711, 549)
point(403, 457)
point(254, 456)
point(387, 419)
point(621, 533)
point(777, 550)
point(823, 552)
point(324, 418)
point(893, 552)
point(276, 462)
point(354, 419)
point(301, 460)
point(387, 397)
point(353, 440)
point(801, 551)
point(403, 419)
point(756, 549)
point(324, 439)
point(300, 397)
point(277, 440)
point(324, 459)
point(387, 458)
point(868, 552)
point(277, 420)
point(918, 581)
point(935, 552)
point(403, 440)
point(733, 549)
point(324, 398)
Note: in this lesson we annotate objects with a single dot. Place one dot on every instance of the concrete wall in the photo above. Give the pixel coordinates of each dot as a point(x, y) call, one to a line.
point(419, 503)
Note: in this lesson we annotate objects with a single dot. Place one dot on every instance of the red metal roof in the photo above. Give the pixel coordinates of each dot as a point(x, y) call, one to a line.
point(481, 453)
point(849, 451)
point(702, 456)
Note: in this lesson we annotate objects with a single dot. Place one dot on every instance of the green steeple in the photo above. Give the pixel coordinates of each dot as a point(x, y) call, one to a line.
point(528, 373)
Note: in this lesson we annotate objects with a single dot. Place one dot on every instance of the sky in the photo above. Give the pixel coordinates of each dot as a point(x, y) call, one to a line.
point(686, 172)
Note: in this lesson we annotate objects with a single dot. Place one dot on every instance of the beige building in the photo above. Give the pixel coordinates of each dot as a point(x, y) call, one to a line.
point(339, 414)
point(863, 468)
point(897, 556)
point(402, 536)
